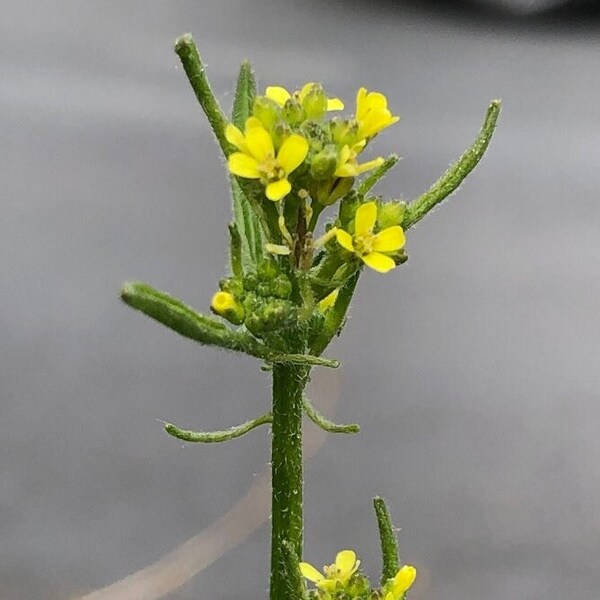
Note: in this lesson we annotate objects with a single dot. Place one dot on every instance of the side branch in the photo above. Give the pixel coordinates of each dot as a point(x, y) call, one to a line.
point(185, 321)
point(212, 437)
point(318, 419)
point(186, 49)
point(455, 175)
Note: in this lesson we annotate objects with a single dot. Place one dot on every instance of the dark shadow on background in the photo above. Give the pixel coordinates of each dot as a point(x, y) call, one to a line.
point(576, 16)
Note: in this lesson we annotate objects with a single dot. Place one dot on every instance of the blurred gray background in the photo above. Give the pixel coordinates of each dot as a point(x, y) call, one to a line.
point(473, 369)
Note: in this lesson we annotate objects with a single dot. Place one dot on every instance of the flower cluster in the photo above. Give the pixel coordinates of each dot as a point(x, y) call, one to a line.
point(343, 580)
point(294, 159)
point(287, 130)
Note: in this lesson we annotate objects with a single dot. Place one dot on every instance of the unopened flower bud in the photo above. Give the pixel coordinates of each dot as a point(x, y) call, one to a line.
point(266, 111)
point(267, 269)
point(293, 112)
point(226, 306)
point(324, 163)
point(281, 287)
point(315, 103)
point(343, 131)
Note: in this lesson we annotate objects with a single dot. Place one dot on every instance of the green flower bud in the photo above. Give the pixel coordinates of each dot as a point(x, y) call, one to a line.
point(281, 287)
point(267, 269)
point(293, 113)
point(280, 131)
point(233, 285)
point(315, 103)
point(250, 282)
point(358, 587)
point(390, 214)
point(266, 111)
point(323, 165)
point(343, 132)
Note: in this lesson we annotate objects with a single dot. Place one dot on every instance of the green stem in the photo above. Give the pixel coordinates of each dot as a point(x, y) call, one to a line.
point(289, 382)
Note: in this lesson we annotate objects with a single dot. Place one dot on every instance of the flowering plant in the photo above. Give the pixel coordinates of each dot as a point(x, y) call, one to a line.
point(305, 225)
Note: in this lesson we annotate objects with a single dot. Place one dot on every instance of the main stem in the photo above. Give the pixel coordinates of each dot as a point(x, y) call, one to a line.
point(289, 382)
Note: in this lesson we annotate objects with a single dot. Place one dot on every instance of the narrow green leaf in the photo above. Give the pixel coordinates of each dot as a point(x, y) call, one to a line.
point(389, 545)
point(245, 93)
point(456, 174)
point(186, 49)
point(368, 183)
point(318, 419)
point(212, 437)
point(179, 317)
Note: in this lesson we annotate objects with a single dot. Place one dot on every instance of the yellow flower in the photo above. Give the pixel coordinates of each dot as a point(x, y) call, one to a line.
point(256, 158)
point(347, 165)
point(372, 113)
point(280, 96)
point(372, 248)
point(401, 582)
point(225, 305)
point(337, 574)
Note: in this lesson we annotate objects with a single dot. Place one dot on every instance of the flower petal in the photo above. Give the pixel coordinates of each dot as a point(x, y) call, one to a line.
point(243, 165)
point(366, 215)
point(372, 164)
point(344, 239)
point(379, 262)
point(277, 190)
point(292, 152)
point(346, 170)
point(253, 122)
point(310, 573)
point(279, 95)
point(235, 136)
point(403, 579)
point(361, 104)
point(389, 240)
point(327, 585)
point(345, 561)
point(376, 101)
point(334, 104)
point(259, 143)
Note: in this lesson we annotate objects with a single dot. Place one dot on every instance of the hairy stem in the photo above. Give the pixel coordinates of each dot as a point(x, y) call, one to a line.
point(289, 382)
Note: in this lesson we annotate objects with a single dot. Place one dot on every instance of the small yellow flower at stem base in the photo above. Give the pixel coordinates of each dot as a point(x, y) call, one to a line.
point(256, 158)
point(226, 306)
point(372, 248)
point(401, 582)
point(336, 575)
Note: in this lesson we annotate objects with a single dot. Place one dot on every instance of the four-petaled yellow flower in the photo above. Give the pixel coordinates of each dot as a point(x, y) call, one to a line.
point(372, 113)
point(280, 96)
point(372, 248)
point(337, 574)
point(256, 158)
point(401, 582)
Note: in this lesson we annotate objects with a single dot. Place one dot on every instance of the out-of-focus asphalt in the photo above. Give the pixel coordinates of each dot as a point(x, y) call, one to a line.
point(473, 369)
